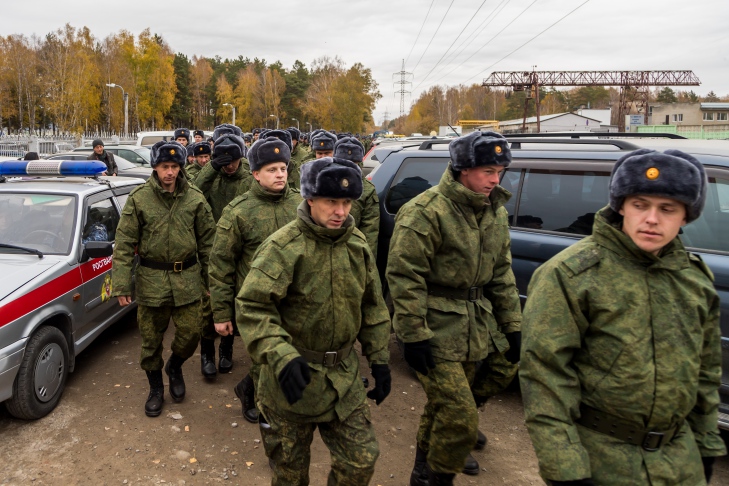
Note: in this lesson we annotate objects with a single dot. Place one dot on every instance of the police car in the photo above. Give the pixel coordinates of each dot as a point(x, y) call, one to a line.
point(57, 226)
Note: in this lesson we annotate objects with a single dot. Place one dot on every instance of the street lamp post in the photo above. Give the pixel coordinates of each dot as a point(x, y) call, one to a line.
point(228, 104)
point(297, 123)
point(310, 130)
point(274, 116)
point(126, 106)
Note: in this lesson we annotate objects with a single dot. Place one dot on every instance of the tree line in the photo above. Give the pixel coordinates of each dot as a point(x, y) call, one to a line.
point(59, 83)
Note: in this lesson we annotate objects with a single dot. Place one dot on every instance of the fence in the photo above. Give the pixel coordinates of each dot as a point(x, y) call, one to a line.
point(16, 146)
point(701, 132)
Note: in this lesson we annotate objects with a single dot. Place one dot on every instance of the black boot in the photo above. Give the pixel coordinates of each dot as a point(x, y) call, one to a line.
point(156, 397)
point(207, 358)
point(226, 354)
point(245, 391)
point(173, 368)
point(471, 467)
point(481, 441)
point(419, 476)
point(440, 479)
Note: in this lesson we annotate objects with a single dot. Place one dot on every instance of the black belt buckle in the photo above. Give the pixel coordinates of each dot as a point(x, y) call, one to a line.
point(648, 439)
point(176, 269)
point(330, 359)
point(474, 294)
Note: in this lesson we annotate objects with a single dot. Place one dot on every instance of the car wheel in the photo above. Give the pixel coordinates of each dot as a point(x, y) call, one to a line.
point(42, 375)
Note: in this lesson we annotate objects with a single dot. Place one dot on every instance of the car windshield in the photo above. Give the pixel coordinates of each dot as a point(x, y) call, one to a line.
point(42, 222)
point(145, 153)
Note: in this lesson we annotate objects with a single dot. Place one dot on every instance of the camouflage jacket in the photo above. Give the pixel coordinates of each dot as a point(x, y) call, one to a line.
point(318, 289)
point(366, 214)
point(163, 227)
point(246, 222)
point(299, 156)
point(629, 333)
point(453, 237)
point(192, 171)
point(220, 188)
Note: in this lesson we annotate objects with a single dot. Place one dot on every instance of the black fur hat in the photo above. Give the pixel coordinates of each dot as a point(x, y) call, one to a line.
point(671, 174)
point(323, 141)
point(221, 130)
point(283, 135)
point(349, 148)
point(331, 177)
point(295, 133)
point(342, 135)
point(202, 148)
point(478, 149)
point(168, 151)
point(198, 132)
point(182, 132)
point(255, 130)
point(230, 144)
point(267, 151)
point(190, 151)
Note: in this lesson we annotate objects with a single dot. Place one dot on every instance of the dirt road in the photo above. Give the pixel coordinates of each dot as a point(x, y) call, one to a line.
point(99, 434)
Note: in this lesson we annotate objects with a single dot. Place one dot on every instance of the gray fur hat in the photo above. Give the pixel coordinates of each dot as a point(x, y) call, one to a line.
point(295, 133)
point(190, 151)
point(283, 135)
point(230, 144)
point(478, 149)
point(267, 151)
point(349, 148)
point(331, 177)
point(323, 141)
point(202, 148)
point(221, 130)
point(184, 133)
point(671, 174)
point(168, 151)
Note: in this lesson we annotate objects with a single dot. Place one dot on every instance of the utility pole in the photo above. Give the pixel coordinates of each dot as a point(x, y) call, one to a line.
point(405, 79)
point(384, 120)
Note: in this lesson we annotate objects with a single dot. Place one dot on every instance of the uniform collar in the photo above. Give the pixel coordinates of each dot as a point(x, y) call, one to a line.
point(258, 191)
point(316, 232)
point(180, 186)
point(459, 193)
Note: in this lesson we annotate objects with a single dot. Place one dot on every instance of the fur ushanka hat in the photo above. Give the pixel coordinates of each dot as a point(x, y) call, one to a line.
point(671, 174)
point(349, 148)
point(331, 177)
point(221, 130)
point(202, 148)
point(168, 151)
point(267, 151)
point(478, 149)
point(283, 135)
point(184, 133)
point(230, 144)
point(323, 141)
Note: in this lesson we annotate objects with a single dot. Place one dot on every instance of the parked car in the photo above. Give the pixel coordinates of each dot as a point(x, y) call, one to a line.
point(56, 244)
point(125, 168)
point(370, 160)
point(135, 154)
point(558, 184)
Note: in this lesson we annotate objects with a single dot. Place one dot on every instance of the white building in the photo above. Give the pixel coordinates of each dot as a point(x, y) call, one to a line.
point(558, 122)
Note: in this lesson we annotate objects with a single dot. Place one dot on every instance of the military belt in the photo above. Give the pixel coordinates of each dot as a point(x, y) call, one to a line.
point(328, 359)
point(605, 423)
point(176, 267)
point(472, 294)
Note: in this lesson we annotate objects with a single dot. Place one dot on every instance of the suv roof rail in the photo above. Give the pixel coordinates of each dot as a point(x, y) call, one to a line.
point(621, 144)
point(428, 144)
point(596, 134)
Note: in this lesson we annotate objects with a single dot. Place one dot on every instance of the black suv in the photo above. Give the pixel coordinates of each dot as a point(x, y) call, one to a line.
point(558, 183)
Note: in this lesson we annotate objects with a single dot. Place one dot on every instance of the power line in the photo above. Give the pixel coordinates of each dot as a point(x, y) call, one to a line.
point(405, 78)
point(421, 30)
point(434, 34)
point(452, 43)
point(527, 42)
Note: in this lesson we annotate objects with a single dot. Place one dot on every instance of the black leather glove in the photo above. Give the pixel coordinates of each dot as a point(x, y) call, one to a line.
point(293, 379)
point(512, 355)
point(576, 482)
point(419, 356)
point(383, 383)
point(708, 467)
point(221, 161)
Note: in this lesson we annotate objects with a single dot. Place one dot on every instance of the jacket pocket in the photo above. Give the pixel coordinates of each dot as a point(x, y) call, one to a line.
point(448, 319)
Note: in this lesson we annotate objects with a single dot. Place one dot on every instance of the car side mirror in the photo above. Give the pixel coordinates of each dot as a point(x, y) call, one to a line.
point(99, 249)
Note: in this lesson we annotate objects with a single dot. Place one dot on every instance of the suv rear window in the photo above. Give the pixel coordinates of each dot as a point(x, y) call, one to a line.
point(416, 175)
point(711, 230)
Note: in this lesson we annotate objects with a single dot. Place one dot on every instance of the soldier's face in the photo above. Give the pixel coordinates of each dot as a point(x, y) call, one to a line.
point(329, 213)
point(651, 221)
point(272, 177)
point(198, 138)
point(182, 140)
point(167, 174)
point(483, 179)
point(202, 160)
point(232, 167)
point(323, 153)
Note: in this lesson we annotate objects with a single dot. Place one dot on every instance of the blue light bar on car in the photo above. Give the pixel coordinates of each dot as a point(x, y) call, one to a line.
point(52, 168)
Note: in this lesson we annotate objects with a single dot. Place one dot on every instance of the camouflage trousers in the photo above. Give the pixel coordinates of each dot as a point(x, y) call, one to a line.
point(153, 322)
point(449, 424)
point(351, 442)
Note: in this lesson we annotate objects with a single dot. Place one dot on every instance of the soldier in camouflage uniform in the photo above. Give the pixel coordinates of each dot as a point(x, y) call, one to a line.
point(322, 143)
point(621, 363)
point(313, 290)
point(169, 224)
point(226, 177)
point(202, 153)
point(456, 303)
point(246, 222)
point(182, 136)
point(365, 210)
point(299, 156)
point(198, 136)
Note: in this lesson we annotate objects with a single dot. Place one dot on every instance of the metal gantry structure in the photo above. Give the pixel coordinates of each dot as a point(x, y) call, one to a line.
point(405, 79)
point(632, 84)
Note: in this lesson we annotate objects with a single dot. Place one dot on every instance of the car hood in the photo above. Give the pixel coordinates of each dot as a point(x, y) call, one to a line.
point(18, 270)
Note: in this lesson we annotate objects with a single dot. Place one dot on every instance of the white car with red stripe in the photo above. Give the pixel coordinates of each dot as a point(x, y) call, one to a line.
point(56, 242)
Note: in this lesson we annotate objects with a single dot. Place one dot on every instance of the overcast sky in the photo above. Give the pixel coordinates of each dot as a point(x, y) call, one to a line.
point(599, 35)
